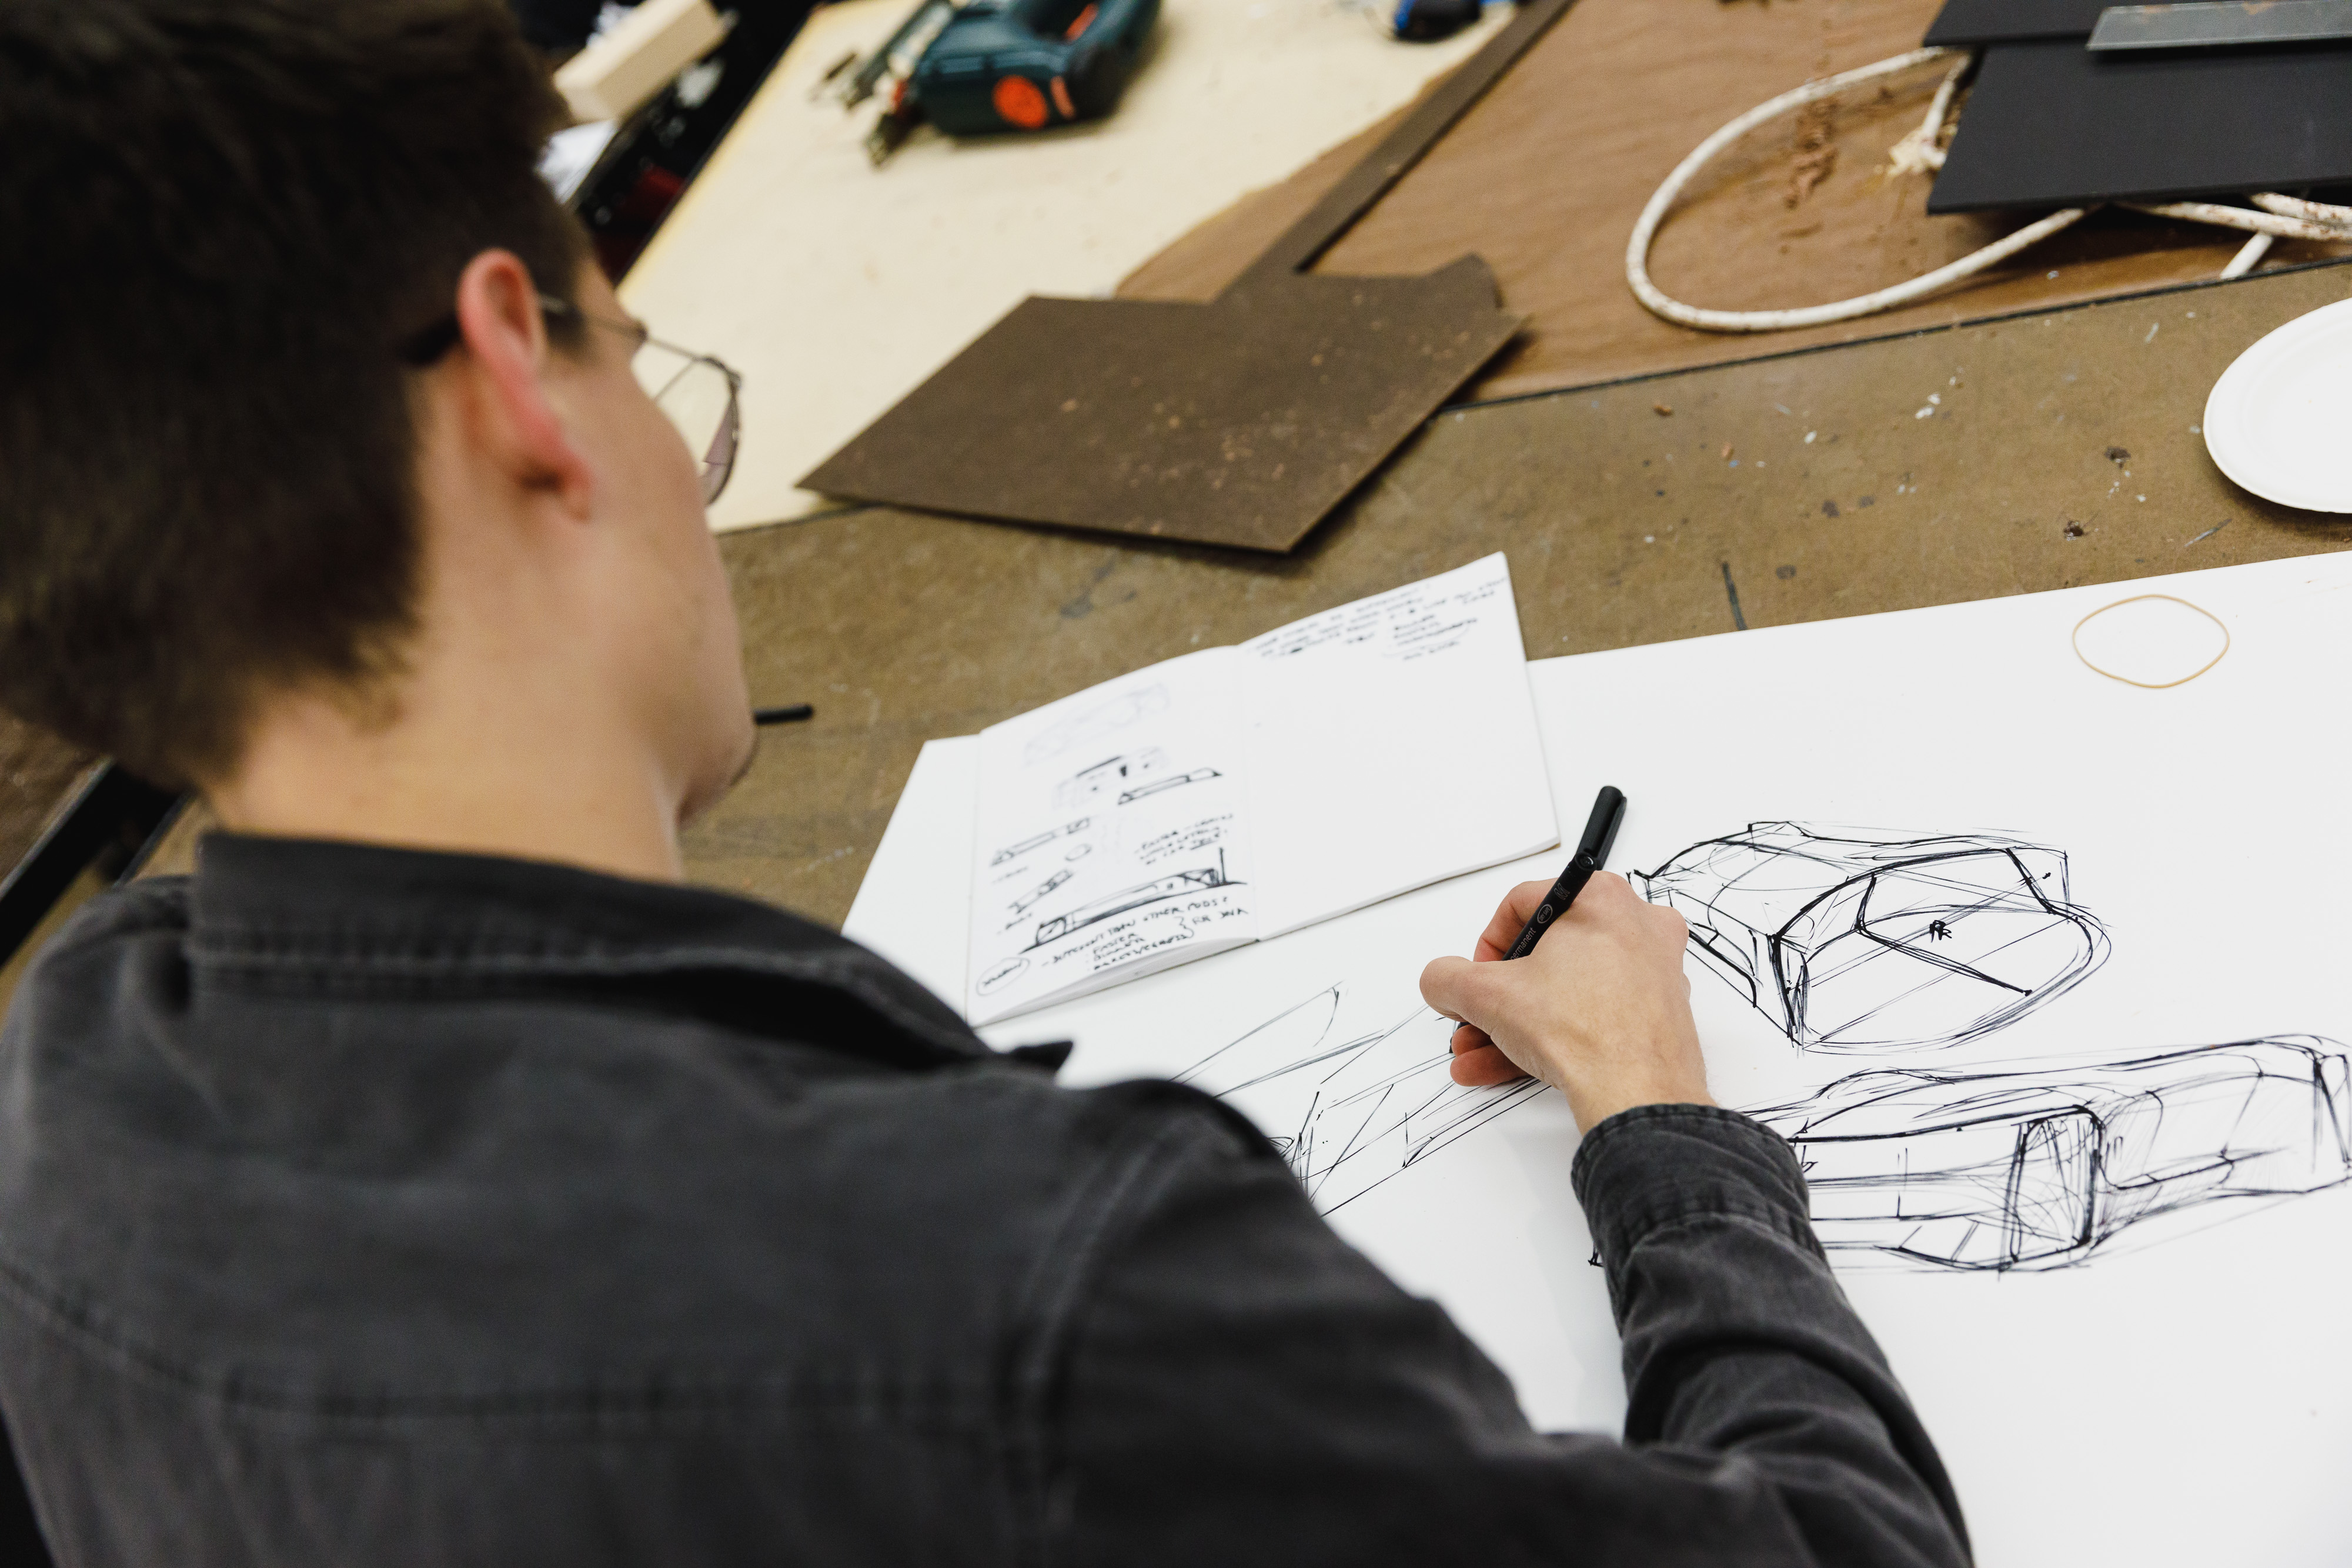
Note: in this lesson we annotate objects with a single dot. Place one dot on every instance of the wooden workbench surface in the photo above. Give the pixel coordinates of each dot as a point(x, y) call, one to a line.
point(2005, 457)
point(37, 772)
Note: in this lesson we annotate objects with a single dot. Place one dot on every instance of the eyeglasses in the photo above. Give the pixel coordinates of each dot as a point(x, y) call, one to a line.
point(699, 393)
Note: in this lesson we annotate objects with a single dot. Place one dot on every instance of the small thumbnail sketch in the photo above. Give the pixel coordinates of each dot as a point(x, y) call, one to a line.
point(1102, 719)
point(1037, 841)
point(1349, 1115)
point(1201, 879)
point(1197, 776)
point(1120, 773)
point(2039, 1169)
point(1028, 901)
point(1001, 974)
point(1851, 941)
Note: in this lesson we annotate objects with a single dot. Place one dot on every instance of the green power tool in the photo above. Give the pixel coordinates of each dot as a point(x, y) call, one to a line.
point(991, 65)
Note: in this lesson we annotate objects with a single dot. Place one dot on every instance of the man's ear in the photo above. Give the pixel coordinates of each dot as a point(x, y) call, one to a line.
point(505, 339)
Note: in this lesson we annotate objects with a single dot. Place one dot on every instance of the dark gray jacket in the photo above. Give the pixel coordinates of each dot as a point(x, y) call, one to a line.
point(362, 1207)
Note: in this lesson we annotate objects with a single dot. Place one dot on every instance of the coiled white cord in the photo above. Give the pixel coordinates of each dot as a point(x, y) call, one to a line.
point(2282, 218)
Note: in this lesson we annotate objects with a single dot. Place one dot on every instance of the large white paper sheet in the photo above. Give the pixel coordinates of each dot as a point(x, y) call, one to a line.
point(931, 827)
point(2127, 1339)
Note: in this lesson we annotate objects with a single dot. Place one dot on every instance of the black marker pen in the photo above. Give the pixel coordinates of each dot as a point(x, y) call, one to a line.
point(1591, 851)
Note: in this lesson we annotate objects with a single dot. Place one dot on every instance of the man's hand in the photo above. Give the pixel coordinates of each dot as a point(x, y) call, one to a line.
point(1600, 1011)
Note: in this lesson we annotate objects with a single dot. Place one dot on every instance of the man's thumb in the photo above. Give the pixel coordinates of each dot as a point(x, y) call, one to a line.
point(1456, 987)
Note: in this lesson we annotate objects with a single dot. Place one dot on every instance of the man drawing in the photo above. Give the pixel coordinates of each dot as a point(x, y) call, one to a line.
point(434, 1178)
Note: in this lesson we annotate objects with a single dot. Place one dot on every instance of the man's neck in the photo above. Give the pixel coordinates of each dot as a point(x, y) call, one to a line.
point(471, 777)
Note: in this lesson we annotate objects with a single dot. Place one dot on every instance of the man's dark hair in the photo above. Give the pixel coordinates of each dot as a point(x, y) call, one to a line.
point(218, 221)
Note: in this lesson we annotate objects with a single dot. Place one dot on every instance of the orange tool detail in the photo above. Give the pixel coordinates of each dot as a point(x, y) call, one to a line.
point(1019, 101)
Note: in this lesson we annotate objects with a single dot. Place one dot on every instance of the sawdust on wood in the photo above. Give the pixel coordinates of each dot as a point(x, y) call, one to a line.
point(1816, 151)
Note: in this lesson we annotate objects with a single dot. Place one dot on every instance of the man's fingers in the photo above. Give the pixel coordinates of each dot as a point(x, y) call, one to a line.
point(1453, 987)
point(1518, 907)
point(1478, 1069)
point(1605, 895)
point(1608, 894)
point(1670, 923)
point(1468, 1038)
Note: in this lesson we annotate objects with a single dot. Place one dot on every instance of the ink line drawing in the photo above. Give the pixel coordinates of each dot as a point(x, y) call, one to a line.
point(2039, 1169)
point(1002, 975)
point(1128, 707)
point(1112, 773)
point(1028, 901)
point(1850, 941)
point(1197, 776)
point(1201, 879)
point(1349, 1114)
point(1038, 841)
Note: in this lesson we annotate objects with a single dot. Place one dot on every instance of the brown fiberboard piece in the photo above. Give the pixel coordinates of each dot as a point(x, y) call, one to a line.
point(1239, 421)
point(1624, 525)
point(1545, 176)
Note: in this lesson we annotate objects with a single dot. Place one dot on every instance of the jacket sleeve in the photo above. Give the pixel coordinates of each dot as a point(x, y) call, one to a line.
point(1242, 1386)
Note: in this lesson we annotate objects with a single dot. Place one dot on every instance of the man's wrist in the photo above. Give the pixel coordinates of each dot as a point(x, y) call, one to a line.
point(1591, 1108)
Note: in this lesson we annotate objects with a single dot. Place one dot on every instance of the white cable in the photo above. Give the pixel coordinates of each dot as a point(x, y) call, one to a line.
point(2239, 218)
point(2249, 257)
point(2338, 220)
point(1920, 151)
point(2296, 207)
point(1637, 248)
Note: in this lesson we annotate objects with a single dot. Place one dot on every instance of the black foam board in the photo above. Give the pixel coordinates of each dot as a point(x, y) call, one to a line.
point(2052, 125)
point(2005, 21)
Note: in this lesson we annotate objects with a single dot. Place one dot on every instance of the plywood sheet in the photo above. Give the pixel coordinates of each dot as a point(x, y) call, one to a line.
point(1545, 177)
point(836, 288)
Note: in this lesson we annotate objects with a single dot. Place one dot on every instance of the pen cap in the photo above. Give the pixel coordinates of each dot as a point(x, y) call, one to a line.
point(1601, 828)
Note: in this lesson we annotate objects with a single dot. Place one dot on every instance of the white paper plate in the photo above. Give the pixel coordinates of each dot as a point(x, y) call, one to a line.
point(2279, 421)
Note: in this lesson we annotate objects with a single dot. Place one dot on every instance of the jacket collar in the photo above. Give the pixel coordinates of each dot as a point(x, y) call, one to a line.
point(312, 915)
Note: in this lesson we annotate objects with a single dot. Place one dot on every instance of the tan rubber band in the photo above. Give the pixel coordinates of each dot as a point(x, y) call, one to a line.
point(2151, 685)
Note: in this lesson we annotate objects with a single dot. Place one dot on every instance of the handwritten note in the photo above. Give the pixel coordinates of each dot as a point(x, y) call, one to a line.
point(1236, 793)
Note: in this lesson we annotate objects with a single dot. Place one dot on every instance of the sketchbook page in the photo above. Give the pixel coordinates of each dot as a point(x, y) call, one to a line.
point(1110, 837)
point(1391, 744)
point(925, 848)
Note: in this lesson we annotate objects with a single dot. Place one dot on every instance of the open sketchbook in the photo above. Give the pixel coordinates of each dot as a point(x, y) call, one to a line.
point(1237, 793)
